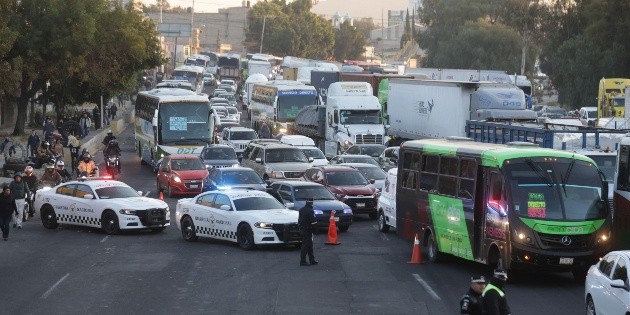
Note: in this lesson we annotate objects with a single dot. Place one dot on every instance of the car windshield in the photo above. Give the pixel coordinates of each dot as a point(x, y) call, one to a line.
point(243, 135)
point(187, 165)
point(563, 189)
point(372, 172)
point(363, 117)
point(606, 164)
point(592, 114)
point(240, 177)
point(348, 178)
point(226, 125)
point(373, 150)
point(284, 155)
point(184, 122)
point(350, 159)
point(229, 97)
point(232, 110)
point(556, 110)
point(221, 111)
point(315, 192)
point(313, 153)
point(114, 192)
point(257, 204)
point(218, 92)
point(220, 153)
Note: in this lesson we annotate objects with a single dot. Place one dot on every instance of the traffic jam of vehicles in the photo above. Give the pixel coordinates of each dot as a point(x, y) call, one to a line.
point(435, 160)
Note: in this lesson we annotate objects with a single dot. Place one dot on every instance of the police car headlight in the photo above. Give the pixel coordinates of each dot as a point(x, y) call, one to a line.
point(263, 225)
point(127, 211)
point(235, 165)
point(318, 212)
point(347, 210)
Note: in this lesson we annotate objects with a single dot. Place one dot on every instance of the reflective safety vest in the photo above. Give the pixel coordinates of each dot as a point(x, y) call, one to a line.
point(492, 287)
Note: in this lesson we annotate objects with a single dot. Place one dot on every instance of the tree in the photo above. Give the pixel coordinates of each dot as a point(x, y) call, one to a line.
point(365, 26)
point(349, 43)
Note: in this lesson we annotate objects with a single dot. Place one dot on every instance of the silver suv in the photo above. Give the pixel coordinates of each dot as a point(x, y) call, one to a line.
point(274, 161)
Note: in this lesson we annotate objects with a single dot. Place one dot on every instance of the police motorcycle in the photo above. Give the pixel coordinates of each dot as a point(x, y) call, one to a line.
point(112, 159)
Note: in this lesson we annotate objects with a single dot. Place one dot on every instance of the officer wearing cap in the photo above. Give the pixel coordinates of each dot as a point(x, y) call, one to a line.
point(494, 300)
point(471, 302)
point(306, 220)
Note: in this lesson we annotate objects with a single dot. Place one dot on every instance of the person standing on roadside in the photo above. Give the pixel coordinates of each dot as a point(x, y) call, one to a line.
point(33, 142)
point(113, 111)
point(306, 220)
point(7, 209)
point(85, 123)
point(471, 303)
point(494, 300)
point(18, 192)
point(49, 128)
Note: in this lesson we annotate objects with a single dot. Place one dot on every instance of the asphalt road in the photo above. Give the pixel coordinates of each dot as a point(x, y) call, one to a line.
point(75, 270)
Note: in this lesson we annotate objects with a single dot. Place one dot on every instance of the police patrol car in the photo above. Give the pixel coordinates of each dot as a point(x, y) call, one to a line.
point(107, 204)
point(247, 217)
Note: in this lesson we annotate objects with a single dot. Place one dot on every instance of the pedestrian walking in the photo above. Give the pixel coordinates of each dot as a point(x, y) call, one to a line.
point(49, 128)
point(18, 192)
point(265, 133)
point(113, 111)
point(33, 142)
point(306, 220)
point(471, 302)
point(7, 209)
point(85, 122)
point(493, 296)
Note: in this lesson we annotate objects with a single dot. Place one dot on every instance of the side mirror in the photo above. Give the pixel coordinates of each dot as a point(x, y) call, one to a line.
point(88, 196)
point(290, 205)
point(619, 284)
point(140, 192)
point(258, 160)
point(310, 160)
point(226, 208)
point(372, 181)
point(154, 122)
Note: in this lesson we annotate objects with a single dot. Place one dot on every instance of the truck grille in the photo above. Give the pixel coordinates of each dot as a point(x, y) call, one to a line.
point(556, 241)
point(293, 174)
point(288, 232)
point(152, 217)
point(368, 139)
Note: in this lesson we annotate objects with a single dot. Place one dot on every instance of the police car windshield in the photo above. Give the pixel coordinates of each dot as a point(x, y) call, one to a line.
point(114, 192)
point(257, 203)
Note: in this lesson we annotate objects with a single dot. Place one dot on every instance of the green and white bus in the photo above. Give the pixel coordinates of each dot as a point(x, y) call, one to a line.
point(277, 102)
point(172, 121)
point(514, 206)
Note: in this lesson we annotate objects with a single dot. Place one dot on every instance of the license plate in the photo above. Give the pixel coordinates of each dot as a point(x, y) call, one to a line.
point(566, 261)
point(194, 186)
point(336, 219)
point(361, 205)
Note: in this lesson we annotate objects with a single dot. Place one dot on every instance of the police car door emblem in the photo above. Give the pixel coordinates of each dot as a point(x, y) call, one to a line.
point(211, 219)
point(566, 241)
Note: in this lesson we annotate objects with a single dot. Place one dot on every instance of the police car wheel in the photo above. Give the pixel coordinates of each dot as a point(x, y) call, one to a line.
point(590, 306)
point(109, 223)
point(188, 229)
point(245, 237)
point(49, 218)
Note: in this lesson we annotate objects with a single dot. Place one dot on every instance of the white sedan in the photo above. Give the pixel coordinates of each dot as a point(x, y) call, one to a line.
point(607, 289)
point(107, 204)
point(247, 217)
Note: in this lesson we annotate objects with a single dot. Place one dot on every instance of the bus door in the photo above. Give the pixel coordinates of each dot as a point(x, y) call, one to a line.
point(621, 200)
point(479, 213)
point(495, 211)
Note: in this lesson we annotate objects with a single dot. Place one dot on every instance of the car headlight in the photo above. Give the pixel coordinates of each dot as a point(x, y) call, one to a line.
point(523, 237)
point(340, 196)
point(276, 174)
point(263, 225)
point(283, 130)
point(318, 212)
point(603, 237)
point(377, 193)
point(127, 211)
point(177, 179)
point(235, 165)
point(347, 210)
point(167, 209)
point(347, 143)
point(161, 155)
point(207, 165)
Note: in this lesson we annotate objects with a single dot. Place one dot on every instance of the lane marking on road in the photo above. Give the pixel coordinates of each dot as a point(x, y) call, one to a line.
point(382, 235)
point(47, 293)
point(104, 239)
point(426, 286)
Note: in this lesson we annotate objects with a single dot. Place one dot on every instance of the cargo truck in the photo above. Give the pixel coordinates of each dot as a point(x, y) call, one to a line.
point(611, 100)
point(230, 67)
point(420, 109)
point(351, 116)
point(263, 67)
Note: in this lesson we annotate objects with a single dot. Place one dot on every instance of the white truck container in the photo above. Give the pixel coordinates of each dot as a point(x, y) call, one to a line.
point(248, 87)
point(420, 109)
point(353, 117)
point(260, 67)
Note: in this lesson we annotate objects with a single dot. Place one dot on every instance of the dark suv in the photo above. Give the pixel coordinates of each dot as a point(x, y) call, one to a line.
point(348, 185)
point(273, 160)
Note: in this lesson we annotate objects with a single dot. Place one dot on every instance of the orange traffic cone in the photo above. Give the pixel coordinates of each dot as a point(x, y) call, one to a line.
point(332, 230)
point(416, 255)
point(161, 195)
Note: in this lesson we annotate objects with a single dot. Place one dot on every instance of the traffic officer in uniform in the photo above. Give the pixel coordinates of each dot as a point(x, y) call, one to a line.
point(494, 300)
point(471, 302)
point(306, 220)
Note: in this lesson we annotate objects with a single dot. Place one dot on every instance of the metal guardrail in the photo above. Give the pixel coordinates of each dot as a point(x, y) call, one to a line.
point(500, 133)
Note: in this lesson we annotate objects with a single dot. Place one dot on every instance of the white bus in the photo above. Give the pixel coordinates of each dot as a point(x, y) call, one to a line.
point(277, 102)
point(198, 60)
point(171, 121)
point(192, 74)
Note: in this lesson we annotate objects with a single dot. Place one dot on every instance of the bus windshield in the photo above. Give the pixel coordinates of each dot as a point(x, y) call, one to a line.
point(290, 105)
point(184, 123)
point(560, 190)
point(360, 117)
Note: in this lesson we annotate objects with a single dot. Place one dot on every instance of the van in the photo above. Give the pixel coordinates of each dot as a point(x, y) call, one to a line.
point(588, 116)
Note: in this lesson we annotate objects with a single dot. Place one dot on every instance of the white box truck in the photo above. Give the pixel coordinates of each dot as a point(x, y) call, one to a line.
point(420, 109)
point(262, 67)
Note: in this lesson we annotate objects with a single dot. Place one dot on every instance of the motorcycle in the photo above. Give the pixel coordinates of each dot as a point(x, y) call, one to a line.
point(112, 165)
point(81, 175)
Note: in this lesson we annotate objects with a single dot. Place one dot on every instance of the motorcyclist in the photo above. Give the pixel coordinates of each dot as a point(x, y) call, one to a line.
point(31, 181)
point(110, 136)
point(87, 166)
point(112, 149)
point(50, 178)
point(60, 167)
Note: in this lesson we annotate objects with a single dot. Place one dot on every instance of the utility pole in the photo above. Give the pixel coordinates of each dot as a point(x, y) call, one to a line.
point(192, 24)
point(262, 35)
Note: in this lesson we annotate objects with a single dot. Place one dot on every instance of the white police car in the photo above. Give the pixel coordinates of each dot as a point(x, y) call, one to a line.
point(248, 217)
point(107, 204)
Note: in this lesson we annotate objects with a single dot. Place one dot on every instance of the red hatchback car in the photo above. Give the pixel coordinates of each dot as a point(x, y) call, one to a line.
point(348, 185)
point(181, 174)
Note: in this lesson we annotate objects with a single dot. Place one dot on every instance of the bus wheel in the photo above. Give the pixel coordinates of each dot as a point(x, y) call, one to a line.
point(432, 250)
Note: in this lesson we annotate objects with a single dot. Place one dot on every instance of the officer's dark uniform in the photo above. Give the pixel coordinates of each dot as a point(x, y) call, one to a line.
point(471, 302)
point(494, 300)
point(306, 221)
